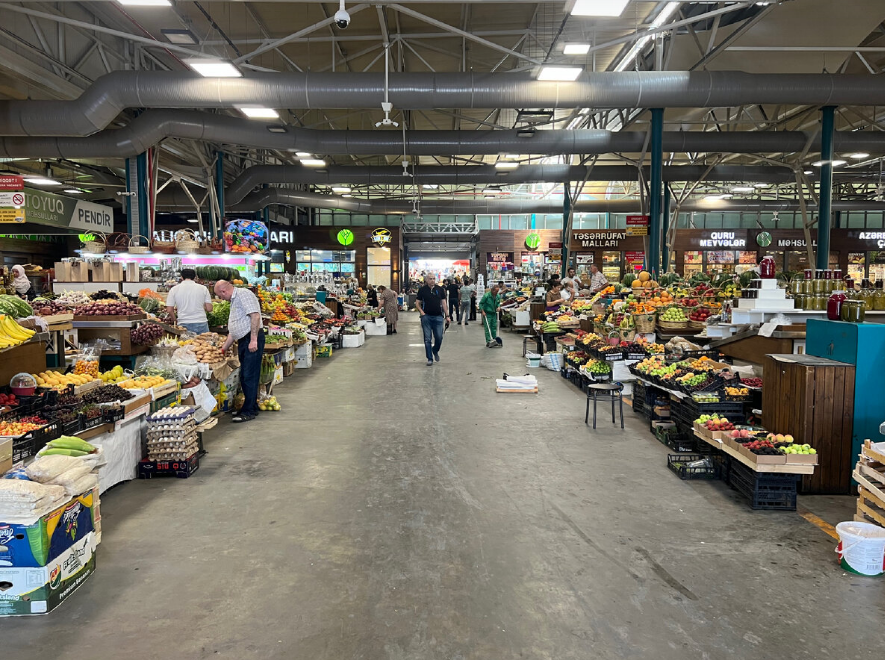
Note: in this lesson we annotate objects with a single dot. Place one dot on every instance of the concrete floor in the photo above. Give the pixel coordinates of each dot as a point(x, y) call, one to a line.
point(395, 511)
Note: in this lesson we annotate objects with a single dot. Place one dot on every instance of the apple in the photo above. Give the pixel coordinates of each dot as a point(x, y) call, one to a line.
point(788, 438)
point(812, 451)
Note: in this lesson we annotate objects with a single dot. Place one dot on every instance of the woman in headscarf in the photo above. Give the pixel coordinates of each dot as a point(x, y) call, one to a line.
point(21, 284)
point(388, 302)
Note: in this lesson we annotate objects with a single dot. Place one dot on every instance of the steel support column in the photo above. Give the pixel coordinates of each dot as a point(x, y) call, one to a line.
point(653, 259)
point(665, 228)
point(825, 205)
point(219, 190)
point(566, 213)
point(137, 221)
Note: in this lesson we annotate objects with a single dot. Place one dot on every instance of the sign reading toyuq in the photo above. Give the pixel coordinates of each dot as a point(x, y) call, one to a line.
point(44, 208)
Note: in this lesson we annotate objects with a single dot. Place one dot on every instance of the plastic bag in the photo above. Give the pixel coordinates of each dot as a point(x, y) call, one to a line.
point(70, 477)
point(16, 491)
point(83, 484)
point(87, 360)
point(47, 468)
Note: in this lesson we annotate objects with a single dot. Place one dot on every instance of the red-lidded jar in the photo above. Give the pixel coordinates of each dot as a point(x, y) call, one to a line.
point(834, 305)
point(828, 274)
point(767, 268)
point(837, 273)
point(809, 274)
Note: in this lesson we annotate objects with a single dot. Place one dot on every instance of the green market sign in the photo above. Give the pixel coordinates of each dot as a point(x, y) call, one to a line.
point(345, 237)
point(45, 208)
point(533, 241)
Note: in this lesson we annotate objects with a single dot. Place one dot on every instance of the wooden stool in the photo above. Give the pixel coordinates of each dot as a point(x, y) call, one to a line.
point(605, 392)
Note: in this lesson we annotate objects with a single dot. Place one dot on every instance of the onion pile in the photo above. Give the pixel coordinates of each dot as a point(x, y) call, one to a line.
point(108, 309)
point(45, 307)
point(104, 294)
point(146, 334)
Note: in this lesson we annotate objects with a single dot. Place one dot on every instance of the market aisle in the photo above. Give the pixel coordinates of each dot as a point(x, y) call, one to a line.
point(395, 511)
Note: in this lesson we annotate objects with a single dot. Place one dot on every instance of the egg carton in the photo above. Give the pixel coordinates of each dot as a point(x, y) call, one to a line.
point(174, 456)
point(171, 430)
point(167, 442)
point(172, 414)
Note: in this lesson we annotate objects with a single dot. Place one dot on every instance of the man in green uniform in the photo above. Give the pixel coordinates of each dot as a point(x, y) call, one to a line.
point(489, 308)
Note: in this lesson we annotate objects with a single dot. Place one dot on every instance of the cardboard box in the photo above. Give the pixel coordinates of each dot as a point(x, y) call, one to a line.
point(5, 455)
point(79, 271)
point(62, 271)
point(289, 368)
point(803, 459)
point(31, 546)
point(41, 590)
point(141, 400)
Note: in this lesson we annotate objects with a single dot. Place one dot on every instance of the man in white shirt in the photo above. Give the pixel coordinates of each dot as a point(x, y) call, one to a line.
point(598, 281)
point(188, 303)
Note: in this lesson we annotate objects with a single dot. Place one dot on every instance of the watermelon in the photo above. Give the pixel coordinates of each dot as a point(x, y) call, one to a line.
point(15, 307)
point(628, 280)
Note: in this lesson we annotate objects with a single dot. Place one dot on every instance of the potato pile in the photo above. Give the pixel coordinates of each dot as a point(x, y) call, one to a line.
point(207, 348)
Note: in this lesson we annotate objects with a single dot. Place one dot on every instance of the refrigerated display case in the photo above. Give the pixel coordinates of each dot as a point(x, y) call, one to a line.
point(582, 263)
point(746, 261)
point(877, 266)
point(692, 262)
point(857, 265)
point(611, 265)
point(720, 261)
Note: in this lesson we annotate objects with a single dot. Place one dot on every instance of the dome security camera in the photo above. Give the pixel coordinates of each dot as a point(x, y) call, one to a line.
point(342, 18)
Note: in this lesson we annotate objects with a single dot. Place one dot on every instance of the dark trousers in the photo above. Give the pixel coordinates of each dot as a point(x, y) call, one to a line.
point(473, 309)
point(454, 308)
point(250, 371)
point(433, 328)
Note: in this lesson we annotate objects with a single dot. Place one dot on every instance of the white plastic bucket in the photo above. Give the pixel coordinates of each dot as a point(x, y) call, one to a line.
point(532, 360)
point(861, 548)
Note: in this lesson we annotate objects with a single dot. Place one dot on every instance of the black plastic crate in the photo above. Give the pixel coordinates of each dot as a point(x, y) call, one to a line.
point(86, 424)
point(765, 491)
point(677, 440)
point(733, 410)
point(678, 463)
point(113, 414)
point(31, 442)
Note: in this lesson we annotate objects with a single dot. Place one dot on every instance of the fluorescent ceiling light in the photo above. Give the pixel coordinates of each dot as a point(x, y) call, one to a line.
point(599, 7)
point(715, 198)
point(145, 3)
point(430, 186)
point(303, 154)
point(340, 189)
point(258, 112)
point(491, 191)
point(808, 172)
point(512, 156)
point(835, 163)
point(637, 47)
point(742, 189)
point(182, 37)
point(761, 185)
point(560, 73)
point(313, 162)
point(72, 191)
point(42, 181)
point(576, 49)
point(211, 68)
point(504, 165)
point(858, 156)
point(277, 128)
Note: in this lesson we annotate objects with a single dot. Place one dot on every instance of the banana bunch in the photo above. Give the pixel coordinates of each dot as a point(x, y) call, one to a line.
point(11, 333)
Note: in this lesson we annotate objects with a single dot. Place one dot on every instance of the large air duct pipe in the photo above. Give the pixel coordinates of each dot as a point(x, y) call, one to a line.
point(268, 196)
point(103, 101)
point(153, 126)
point(487, 174)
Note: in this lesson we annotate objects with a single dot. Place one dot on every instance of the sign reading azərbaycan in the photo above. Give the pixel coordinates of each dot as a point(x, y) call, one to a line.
point(45, 208)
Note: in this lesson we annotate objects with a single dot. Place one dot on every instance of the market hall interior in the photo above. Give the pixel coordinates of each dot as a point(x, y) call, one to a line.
point(394, 511)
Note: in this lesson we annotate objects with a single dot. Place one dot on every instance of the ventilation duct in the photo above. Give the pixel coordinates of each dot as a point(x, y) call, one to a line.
point(103, 101)
point(175, 201)
point(153, 126)
point(487, 174)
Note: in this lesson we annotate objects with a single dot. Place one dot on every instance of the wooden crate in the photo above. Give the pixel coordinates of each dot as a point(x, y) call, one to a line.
point(121, 334)
point(812, 399)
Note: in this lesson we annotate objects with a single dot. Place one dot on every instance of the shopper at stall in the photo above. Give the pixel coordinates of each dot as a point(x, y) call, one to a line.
point(597, 279)
point(569, 278)
point(554, 296)
point(244, 327)
point(467, 294)
point(388, 302)
point(21, 284)
point(454, 292)
point(488, 307)
point(431, 304)
point(372, 296)
point(188, 302)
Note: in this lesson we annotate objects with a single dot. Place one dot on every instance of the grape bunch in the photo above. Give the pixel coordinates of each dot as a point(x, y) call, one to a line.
point(147, 334)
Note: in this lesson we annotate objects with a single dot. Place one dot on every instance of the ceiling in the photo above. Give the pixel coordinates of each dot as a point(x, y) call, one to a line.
point(55, 51)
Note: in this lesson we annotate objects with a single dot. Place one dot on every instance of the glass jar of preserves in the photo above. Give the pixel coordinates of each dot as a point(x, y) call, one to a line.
point(796, 285)
point(878, 298)
point(853, 311)
point(820, 286)
point(767, 268)
point(834, 305)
